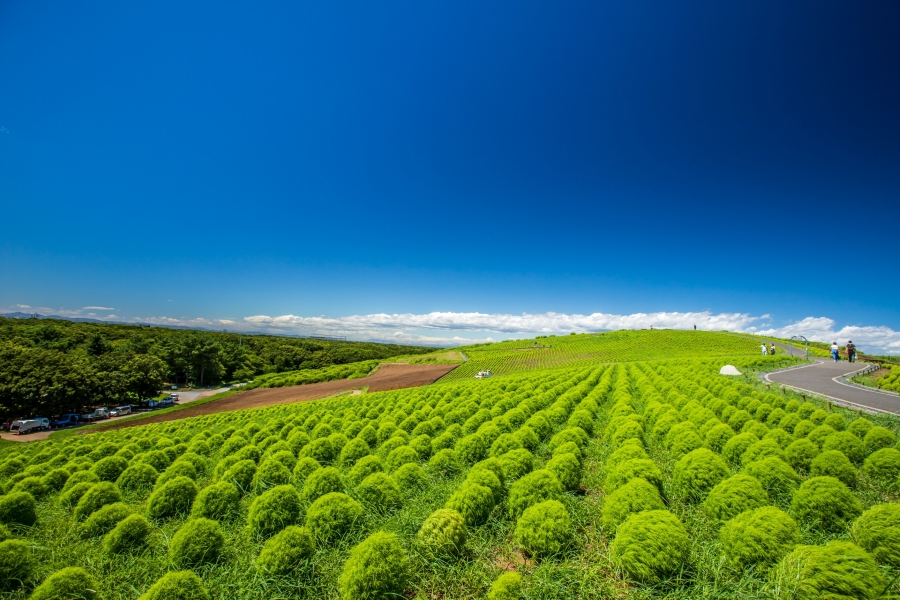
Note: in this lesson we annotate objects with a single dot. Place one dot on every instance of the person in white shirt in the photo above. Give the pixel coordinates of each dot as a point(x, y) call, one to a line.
point(765, 349)
point(835, 352)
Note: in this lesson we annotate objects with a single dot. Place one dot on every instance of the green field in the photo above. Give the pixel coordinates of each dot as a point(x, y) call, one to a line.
point(629, 477)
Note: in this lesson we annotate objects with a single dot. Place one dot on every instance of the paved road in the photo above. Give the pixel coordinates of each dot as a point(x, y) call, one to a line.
point(821, 378)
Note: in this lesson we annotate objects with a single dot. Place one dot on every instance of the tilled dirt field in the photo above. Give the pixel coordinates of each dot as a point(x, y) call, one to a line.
point(391, 376)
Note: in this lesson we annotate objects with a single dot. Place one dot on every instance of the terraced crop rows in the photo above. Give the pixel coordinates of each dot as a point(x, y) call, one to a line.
point(640, 480)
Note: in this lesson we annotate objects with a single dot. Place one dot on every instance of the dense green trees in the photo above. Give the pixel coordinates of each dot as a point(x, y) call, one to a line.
point(50, 366)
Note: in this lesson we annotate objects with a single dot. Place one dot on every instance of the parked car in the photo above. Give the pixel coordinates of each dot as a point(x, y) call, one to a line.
point(29, 425)
point(67, 420)
point(87, 417)
point(6, 425)
point(102, 413)
point(120, 411)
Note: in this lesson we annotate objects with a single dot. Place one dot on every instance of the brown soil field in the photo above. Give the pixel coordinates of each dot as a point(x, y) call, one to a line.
point(390, 376)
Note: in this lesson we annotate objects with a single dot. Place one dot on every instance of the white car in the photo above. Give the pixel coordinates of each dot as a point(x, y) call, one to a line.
point(29, 425)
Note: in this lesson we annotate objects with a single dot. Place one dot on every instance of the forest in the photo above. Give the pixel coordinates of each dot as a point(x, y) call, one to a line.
point(51, 366)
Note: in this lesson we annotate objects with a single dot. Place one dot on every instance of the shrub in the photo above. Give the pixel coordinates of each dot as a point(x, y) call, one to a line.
point(399, 457)
point(718, 436)
point(69, 498)
point(283, 455)
point(635, 496)
point(172, 498)
point(197, 542)
point(320, 449)
point(286, 551)
point(410, 477)
point(860, 427)
point(178, 469)
point(877, 438)
point(379, 490)
point(819, 434)
point(98, 496)
point(506, 587)
point(104, 519)
point(833, 463)
point(332, 516)
point(241, 474)
point(836, 422)
point(443, 533)
point(800, 454)
point(735, 447)
point(826, 503)
point(471, 448)
point(544, 529)
point(274, 510)
point(878, 531)
point(837, 570)
point(697, 473)
point(733, 496)
point(219, 502)
point(473, 501)
point(516, 464)
point(567, 469)
point(762, 449)
point(626, 452)
point(628, 470)
point(650, 545)
point(55, 479)
point(71, 582)
point(32, 485)
point(527, 437)
point(353, 451)
point(177, 585)
point(487, 478)
point(536, 487)
point(109, 468)
point(136, 477)
point(847, 443)
point(780, 436)
point(761, 536)
point(503, 444)
point(16, 564)
point(776, 476)
point(883, 465)
point(129, 534)
point(269, 474)
point(305, 467)
point(321, 482)
point(5, 533)
point(444, 462)
point(377, 568)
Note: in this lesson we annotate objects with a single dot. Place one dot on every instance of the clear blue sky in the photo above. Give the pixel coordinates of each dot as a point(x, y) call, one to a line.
point(223, 159)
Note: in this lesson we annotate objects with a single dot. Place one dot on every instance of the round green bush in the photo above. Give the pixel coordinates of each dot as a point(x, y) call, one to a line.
point(800, 454)
point(422, 445)
point(878, 531)
point(16, 564)
point(517, 463)
point(776, 476)
point(274, 510)
point(506, 587)
point(762, 449)
point(820, 434)
point(473, 501)
point(630, 469)
point(320, 449)
point(278, 452)
point(567, 469)
point(838, 570)
point(735, 447)
point(178, 469)
point(544, 529)
point(307, 466)
point(104, 519)
point(354, 450)
point(471, 448)
point(443, 533)
point(860, 427)
point(685, 443)
point(487, 478)
point(399, 457)
point(626, 452)
point(285, 552)
point(69, 583)
point(55, 479)
point(733, 496)
point(173, 498)
point(650, 545)
point(534, 488)
point(635, 496)
point(69, 498)
point(504, 444)
point(220, 502)
point(697, 473)
point(5, 533)
point(836, 422)
point(759, 537)
point(444, 462)
point(848, 444)
point(269, 474)
point(718, 436)
point(833, 463)
point(567, 448)
point(248, 453)
point(80, 477)
point(98, 496)
point(826, 503)
point(410, 477)
point(333, 516)
point(197, 542)
point(109, 468)
point(177, 585)
point(883, 465)
point(241, 475)
point(527, 437)
point(130, 534)
point(877, 438)
point(758, 429)
point(137, 477)
point(377, 568)
point(32, 485)
point(780, 436)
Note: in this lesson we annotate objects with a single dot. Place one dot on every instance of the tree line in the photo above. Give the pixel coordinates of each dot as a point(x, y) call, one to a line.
point(50, 366)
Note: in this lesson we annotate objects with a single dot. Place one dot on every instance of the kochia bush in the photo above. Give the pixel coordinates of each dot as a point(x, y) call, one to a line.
point(650, 545)
point(16, 564)
point(172, 498)
point(333, 516)
point(877, 438)
point(443, 533)
point(97, 497)
point(516, 464)
point(825, 502)
point(138, 476)
point(536, 487)
point(544, 529)
point(473, 501)
point(506, 587)
point(104, 519)
point(377, 568)
point(735, 447)
point(286, 551)
point(733, 496)
point(177, 585)
point(837, 570)
point(775, 475)
point(410, 477)
point(883, 465)
point(567, 469)
point(635, 496)
point(847, 443)
point(71, 582)
point(130, 534)
point(274, 510)
point(878, 531)
point(241, 474)
point(109, 468)
point(761, 536)
point(197, 542)
point(630, 469)
point(697, 473)
point(833, 463)
point(800, 454)
point(322, 481)
point(444, 462)
point(18, 508)
point(219, 502)
point(379, 491)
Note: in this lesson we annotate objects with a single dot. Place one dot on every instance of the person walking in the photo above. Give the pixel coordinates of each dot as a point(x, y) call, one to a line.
point(772, 349)
point(851, 351)
point(765, 349)
point(835, 352)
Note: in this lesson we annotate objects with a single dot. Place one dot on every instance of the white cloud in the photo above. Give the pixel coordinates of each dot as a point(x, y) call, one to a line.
point(874, 339)
point(96, 308)
point(22, 306)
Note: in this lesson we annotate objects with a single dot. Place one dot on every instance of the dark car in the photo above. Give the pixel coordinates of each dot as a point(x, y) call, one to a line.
point(67, 420)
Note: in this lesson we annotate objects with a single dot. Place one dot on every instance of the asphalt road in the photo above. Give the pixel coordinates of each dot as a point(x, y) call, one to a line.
point(821, 378)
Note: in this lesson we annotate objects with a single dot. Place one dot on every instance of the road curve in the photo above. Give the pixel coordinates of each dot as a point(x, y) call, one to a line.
point(822, 378)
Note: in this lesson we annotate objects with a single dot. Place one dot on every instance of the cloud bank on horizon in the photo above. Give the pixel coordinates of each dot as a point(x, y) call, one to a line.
point(459, 328)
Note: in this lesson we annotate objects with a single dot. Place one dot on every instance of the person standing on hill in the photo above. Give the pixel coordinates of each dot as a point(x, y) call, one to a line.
point(772, 349)
point(851, 351)
point(835, 352)
point(765, 349)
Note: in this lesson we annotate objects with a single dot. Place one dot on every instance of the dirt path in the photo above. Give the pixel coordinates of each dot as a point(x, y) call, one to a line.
point(390, 376)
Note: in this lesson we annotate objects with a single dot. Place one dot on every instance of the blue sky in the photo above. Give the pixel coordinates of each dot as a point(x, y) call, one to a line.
point(203, 162)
